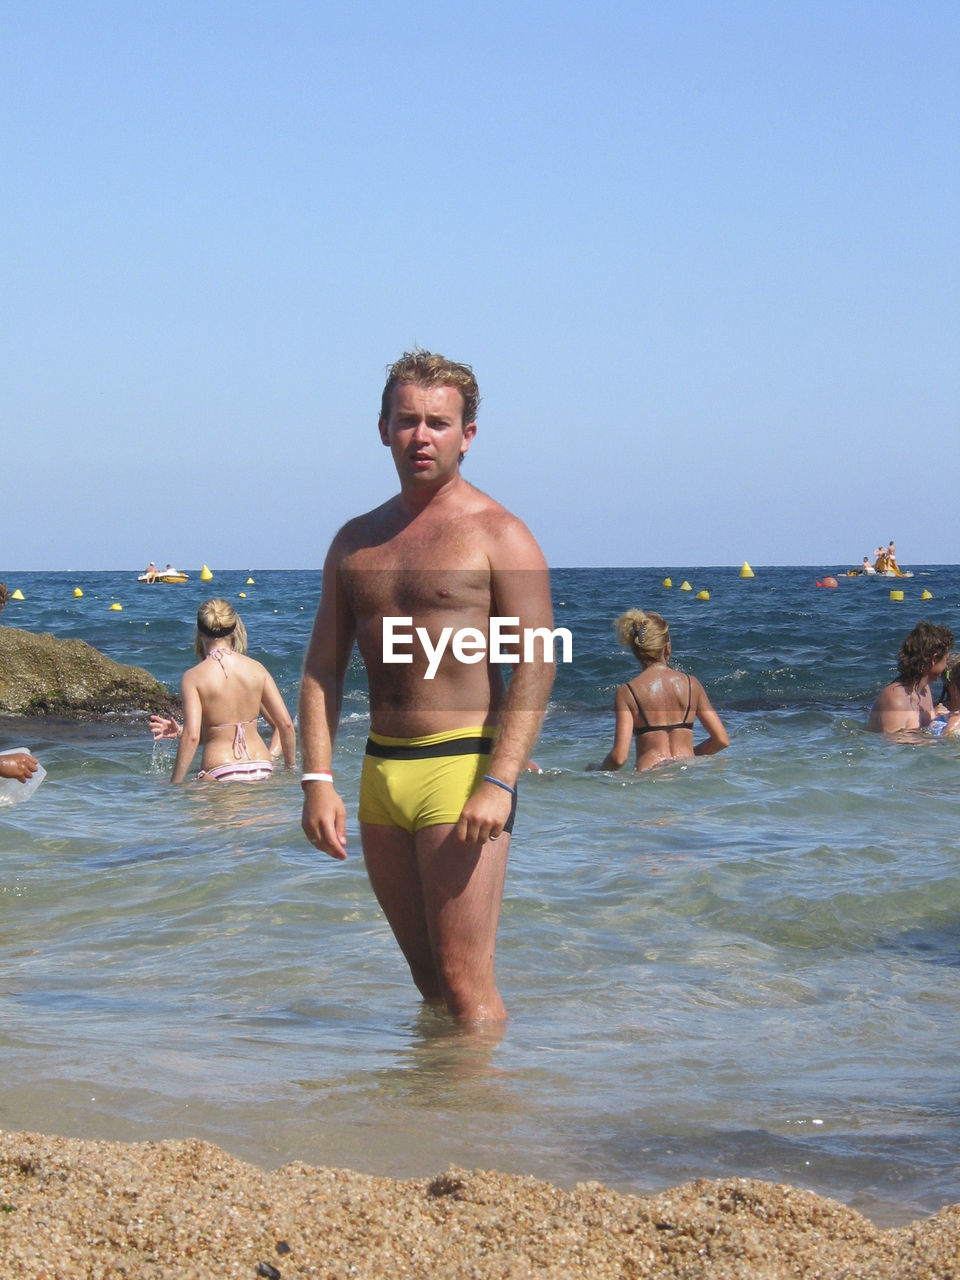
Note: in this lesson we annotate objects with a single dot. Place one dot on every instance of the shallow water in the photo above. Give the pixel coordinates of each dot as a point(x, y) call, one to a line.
point(743, 965)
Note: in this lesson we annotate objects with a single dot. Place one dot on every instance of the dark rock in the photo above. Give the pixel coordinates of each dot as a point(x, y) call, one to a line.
point(41, 675)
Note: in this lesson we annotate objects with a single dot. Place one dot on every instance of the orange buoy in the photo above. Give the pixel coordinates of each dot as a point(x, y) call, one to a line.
point(831, 583)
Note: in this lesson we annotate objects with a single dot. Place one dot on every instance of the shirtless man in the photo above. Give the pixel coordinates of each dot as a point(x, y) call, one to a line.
point(438, 789)
point(907, 704)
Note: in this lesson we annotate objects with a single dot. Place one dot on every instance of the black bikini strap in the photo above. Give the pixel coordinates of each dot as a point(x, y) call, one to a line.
point(639, 708)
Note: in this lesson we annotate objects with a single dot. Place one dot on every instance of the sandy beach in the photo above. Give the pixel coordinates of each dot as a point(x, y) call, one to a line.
point(71, 1208)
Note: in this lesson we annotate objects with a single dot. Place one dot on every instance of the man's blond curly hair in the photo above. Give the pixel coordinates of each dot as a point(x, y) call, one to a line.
point(427, 369)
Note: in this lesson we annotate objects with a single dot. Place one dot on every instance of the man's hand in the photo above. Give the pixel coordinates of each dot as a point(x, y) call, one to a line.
point(484, 814)
point(324, 819)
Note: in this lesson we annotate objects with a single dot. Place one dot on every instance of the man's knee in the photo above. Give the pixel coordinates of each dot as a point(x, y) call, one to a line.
point(465, 981)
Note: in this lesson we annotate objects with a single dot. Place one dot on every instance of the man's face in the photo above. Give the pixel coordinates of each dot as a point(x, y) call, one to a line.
point(425, 432)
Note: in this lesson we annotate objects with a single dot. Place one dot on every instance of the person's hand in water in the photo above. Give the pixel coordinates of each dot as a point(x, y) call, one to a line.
point(164, 727)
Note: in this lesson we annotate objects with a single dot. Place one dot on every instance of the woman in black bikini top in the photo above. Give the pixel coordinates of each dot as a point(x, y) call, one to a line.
point(646, 727)
point(647, 708)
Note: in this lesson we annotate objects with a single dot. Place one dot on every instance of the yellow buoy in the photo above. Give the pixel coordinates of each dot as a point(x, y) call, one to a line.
point(17, 595)
point(927, 595)
point(668, 582)
point(703, 595)
point(746, 571)
point(205, 574)
point(896, 595)
point(251, 583)
point(117, 608)
point(242, 595)
point(685, 586)
point(77, 593)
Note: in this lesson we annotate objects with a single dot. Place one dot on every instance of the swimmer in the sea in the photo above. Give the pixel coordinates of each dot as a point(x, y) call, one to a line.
point(906, 703)
point(223, 697)
point(658, 707)
point(947, 720)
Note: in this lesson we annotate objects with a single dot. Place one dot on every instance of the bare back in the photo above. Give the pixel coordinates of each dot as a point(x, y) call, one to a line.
point(900, 708)
point(664, 703)
point(229, 687)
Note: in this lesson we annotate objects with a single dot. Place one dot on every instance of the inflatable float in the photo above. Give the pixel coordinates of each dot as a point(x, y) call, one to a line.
point(886, 567)
point(883, 573)
point(881, 570)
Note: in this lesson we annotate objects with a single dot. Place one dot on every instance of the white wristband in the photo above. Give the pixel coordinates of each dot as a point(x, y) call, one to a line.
point(316, 777)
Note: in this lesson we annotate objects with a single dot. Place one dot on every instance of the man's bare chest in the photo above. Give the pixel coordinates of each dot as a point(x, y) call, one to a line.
point(423, 570)
point(375, 591)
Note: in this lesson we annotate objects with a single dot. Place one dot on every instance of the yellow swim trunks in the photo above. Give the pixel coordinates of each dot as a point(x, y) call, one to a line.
point(422, 782)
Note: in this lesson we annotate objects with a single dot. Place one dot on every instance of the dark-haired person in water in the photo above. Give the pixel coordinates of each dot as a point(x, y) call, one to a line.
point(907, 704)
point(947, 722)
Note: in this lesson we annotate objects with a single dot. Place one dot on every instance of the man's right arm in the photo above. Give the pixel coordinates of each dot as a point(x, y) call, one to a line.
point(324, 817)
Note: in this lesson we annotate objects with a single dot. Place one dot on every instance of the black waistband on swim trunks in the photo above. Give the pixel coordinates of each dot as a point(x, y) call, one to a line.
point(430, 750)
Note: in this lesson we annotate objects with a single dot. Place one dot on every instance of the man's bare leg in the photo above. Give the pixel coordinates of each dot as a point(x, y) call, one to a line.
point(391, 860)
point(462, 888)
point(442, 900)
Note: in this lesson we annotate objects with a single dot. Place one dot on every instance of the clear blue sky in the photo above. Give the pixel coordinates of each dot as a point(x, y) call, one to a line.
point(704, 258)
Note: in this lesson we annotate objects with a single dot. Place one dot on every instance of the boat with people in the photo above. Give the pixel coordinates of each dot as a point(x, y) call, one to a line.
point(152, 575)
point(884, 565)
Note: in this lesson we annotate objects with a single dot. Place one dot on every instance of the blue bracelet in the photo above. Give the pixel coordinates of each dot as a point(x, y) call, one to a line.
point(497, 783)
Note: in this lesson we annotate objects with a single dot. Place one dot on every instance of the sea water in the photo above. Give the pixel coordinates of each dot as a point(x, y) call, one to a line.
point(744, 964)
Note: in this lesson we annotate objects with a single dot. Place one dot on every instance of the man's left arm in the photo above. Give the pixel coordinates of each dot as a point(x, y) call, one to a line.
point(521, 590)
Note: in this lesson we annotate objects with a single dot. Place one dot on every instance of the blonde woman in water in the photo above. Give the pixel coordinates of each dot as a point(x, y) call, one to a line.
point(659, 706)
point(224, 696)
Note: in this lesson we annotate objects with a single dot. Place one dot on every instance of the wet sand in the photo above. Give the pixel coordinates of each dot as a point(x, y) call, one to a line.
point(72, 1208)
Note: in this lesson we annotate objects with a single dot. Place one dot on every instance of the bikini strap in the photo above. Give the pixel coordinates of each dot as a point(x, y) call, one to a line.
point(240, 749)
point(637, 701)
point(217, 655)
